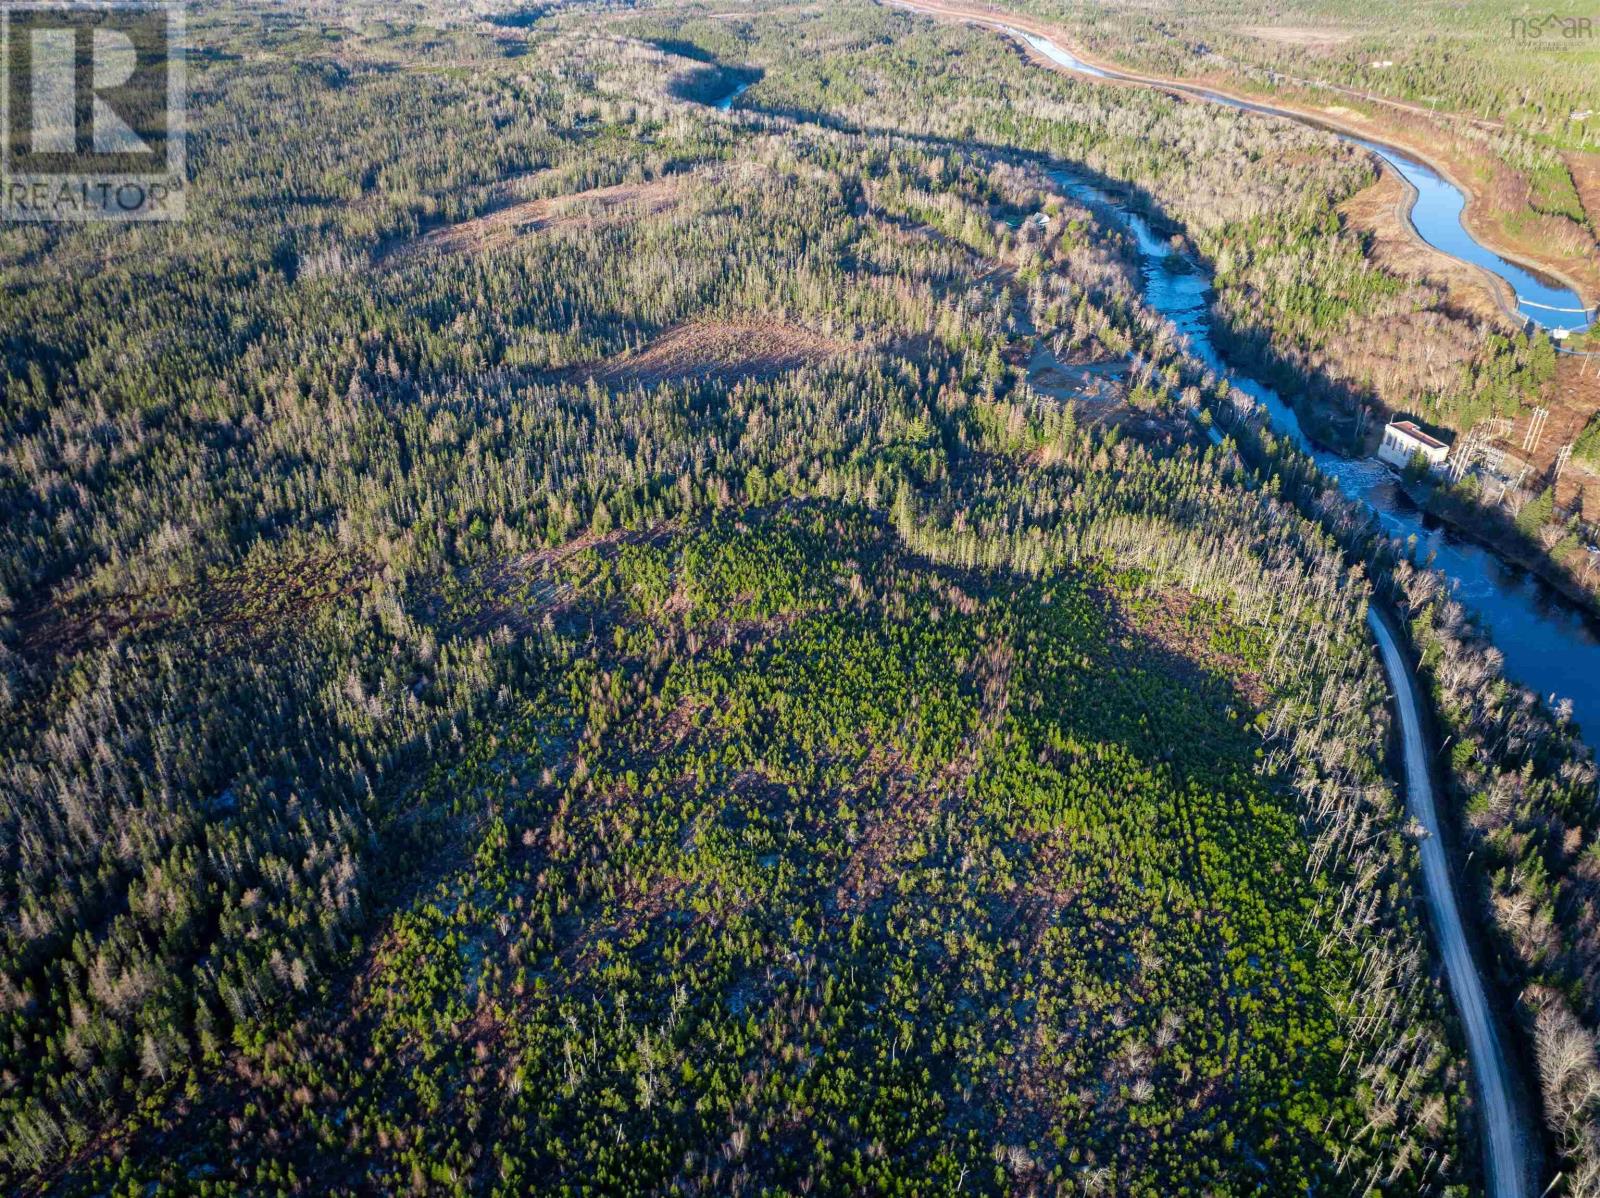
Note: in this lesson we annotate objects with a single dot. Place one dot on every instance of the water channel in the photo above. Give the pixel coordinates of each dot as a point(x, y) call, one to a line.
point(1549, 645)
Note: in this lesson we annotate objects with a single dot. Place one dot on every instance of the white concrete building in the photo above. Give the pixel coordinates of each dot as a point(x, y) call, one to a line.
point(1403, 441)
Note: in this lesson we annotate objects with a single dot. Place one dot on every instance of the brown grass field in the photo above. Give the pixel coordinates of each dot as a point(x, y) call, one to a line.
point(727, 349)
point(499, 228)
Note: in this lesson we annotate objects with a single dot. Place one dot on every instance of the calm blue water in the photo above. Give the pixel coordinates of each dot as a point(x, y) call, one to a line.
point(1436, 215)
point(1437, 219)
point(1549, 645)
point(1057, 55)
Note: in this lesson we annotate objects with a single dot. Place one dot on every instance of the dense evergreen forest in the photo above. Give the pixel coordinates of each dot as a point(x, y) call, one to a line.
point(550, 645)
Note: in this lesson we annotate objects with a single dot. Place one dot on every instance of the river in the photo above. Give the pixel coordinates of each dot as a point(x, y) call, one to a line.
point(1549, 644)
point(1435, 215)
point(725, 104)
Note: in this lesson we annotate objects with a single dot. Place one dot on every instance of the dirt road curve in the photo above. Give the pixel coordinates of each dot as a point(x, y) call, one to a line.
point(1504, 1138)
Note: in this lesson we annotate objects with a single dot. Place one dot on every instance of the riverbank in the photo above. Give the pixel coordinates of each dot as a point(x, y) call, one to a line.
point(1488, 525)
point(1381, 213)
point(1418, 139)
point(1482, 526)
point(1497, 532)
point(1550, 644)
point(1579, 275)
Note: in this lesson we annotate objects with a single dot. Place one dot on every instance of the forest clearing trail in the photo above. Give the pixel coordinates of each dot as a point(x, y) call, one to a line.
point(502, 225)
point(1504, 1134)
point(728, 348)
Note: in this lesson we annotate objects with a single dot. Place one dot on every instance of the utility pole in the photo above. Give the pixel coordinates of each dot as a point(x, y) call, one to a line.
point(1535, 429)
point(1461, 460)
point(1475, 446)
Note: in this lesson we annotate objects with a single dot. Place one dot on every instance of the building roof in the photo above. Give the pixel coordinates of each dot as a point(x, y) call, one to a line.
point(1416, 434)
